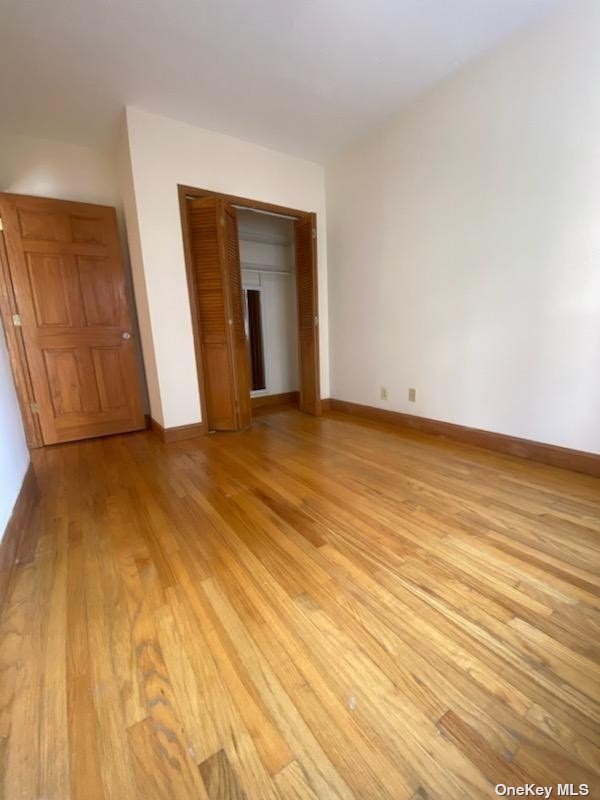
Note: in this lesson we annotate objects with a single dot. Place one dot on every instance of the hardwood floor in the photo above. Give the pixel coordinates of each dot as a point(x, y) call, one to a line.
point(311, 609)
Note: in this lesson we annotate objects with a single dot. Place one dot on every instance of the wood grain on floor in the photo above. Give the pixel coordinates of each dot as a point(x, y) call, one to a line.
point(314, 608)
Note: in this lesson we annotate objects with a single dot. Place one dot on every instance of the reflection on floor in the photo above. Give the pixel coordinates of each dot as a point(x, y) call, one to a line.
point(311, 609)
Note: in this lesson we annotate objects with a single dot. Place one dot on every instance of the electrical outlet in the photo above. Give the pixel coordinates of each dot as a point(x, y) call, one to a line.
point(412, 395)
point(384, 393)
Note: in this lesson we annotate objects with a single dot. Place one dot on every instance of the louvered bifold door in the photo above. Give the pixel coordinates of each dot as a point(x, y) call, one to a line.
point(217, 285)
point(308, 321)
point(240, 347)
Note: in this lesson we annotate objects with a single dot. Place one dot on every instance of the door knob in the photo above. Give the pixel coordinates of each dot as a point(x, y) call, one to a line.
point(125, 335)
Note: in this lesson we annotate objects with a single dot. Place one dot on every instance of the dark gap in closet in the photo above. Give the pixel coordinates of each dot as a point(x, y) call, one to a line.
point(255, 336)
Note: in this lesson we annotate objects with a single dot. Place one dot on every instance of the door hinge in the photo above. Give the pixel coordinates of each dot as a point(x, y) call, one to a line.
point(17, 320)
point(1, 224)
point(222, 220)
point(34, 408)
point(314, 233)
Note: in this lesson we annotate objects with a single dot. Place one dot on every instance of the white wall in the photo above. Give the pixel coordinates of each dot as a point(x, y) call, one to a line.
point(48, 168)
point(162, 154)
point(14, 455)
point(464, 245)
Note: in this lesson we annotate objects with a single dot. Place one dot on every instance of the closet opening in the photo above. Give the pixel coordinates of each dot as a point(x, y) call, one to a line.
point(252, 281)
point(267, 262)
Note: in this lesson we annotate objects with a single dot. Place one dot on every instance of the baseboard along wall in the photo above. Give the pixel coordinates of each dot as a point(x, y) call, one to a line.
point(576, 460)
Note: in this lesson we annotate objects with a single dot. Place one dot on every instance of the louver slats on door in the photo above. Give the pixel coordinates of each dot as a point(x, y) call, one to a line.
point(217, 285)
point(241, 354)
point(306, 282)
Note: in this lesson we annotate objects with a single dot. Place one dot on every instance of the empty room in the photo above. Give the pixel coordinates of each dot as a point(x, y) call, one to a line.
point(299, 399)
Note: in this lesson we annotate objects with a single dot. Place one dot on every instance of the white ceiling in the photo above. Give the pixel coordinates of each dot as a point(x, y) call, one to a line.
point(302, 76)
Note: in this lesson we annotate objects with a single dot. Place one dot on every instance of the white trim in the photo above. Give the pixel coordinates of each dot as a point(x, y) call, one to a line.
point(255, 267)
point(247, 235)
point(264, 213)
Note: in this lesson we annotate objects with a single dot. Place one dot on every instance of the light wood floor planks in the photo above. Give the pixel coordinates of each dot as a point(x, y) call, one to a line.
point(313, 609)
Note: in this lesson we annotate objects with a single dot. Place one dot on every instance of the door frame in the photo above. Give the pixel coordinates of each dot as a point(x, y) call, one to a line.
point(16, 349)
point(184, 193)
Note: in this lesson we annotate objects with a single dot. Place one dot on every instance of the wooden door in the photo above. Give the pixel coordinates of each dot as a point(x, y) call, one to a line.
point(217, 278)
point(308, 310)
point(67, 274)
